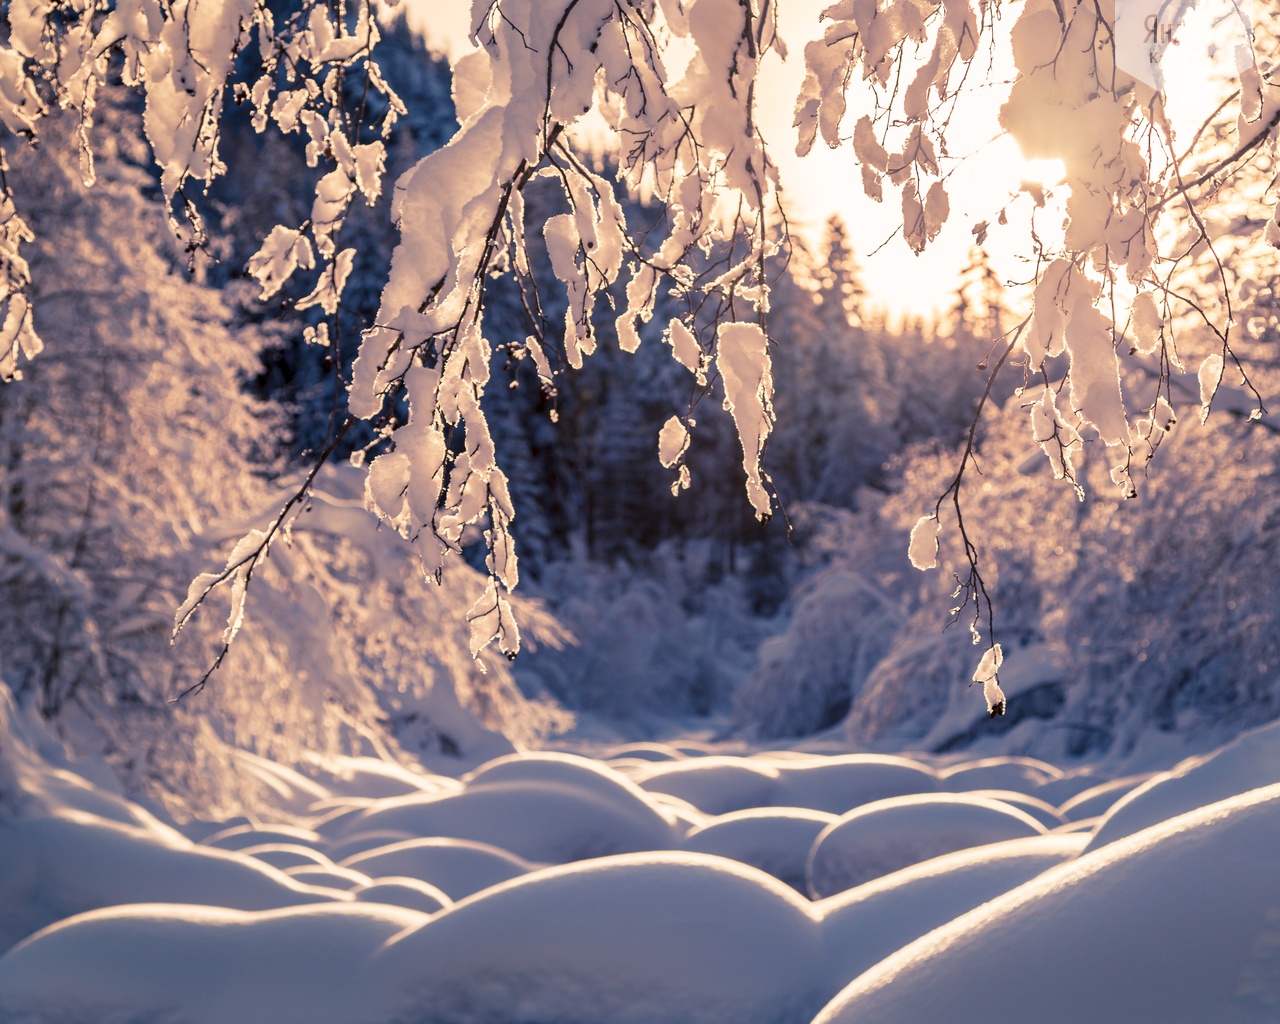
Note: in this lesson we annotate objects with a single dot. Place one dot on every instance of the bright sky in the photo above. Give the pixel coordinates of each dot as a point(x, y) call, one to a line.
point(985, 171)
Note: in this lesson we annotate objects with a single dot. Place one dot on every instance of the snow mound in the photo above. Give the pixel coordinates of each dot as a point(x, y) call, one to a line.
point(36, 776)
point(410, 893)
point(55, 866)
point(1179, 922)
point(1059, 791)
point(282, 787)
point(1021, 774)
point(1045, 813)
point(457, 867)
point(713, 784)
point(333, 877)
point(864, 925)
point(891, 834)
point(242, 837)
point(775, 840)
point(342, 849)
point(625, 940)
point(287, 855)
point(202, 965)
point(1097, 800)
point(373, 777)
point(839, 784)
point(538, 820)
point(1248, 762)
point(645, 752)
point(568, 770)
point(686, 816)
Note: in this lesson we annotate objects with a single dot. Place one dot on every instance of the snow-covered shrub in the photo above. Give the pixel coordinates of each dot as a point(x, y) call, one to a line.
point(133, 459)
point(668, 635)
point(1155, 612)
point(806, 677)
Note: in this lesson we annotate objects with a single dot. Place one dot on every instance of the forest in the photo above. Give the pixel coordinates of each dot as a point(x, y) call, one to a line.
point(482, 524)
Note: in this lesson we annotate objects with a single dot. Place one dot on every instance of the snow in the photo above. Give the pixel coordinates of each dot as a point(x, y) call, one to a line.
point(654, 882)
point(331, 876)
point(714, 785)
point(554, 886)
point(672, 442)
point(1098, 799)
point(1024, 774)
point(1043, 811)
point(617, 940)
point(923, 547)
point(1180, 922)
point(775, 840)
point(865, 924)
point(287, 855)
point(242, 837)
point(839, 784)
point(1249, 762)
point(1210, 376)
point(373, 777)
point(410, 893)
point(457, 867)
point(203, 965)
point(536, 821)
point(742, 357)
point(891, 834)
point(56, 865)
point(987, 673)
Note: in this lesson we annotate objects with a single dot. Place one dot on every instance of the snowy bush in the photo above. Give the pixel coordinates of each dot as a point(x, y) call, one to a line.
point(806, 678)
point(133, 459)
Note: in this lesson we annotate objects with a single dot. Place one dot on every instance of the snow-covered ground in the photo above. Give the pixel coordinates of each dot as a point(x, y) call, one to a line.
point(652, 883)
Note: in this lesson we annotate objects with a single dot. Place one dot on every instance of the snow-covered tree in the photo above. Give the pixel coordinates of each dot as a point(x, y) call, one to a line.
point(676, 82)
point(979, 306)
point(133, 457)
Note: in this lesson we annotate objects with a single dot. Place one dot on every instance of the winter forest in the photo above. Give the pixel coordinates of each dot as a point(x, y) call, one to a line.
point(628, 511)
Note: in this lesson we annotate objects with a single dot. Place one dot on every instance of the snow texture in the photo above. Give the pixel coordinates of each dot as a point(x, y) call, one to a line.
point(109, 914)
point(888, 835)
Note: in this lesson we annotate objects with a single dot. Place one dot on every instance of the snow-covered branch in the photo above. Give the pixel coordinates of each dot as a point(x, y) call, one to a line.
point(674, 83)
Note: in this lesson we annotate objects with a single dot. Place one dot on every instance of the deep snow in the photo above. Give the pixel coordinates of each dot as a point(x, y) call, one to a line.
point(651, 884)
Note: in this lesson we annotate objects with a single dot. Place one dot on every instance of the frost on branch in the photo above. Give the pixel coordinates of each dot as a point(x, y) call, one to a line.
point(1133, 277)
point(673, 441)
point(184, 57)
point(689, 144)
point(743, 361)
point(988, 674)
point(1059, 440)
point(1210, 377)
point(906, 52)
point(239, 569)
point(1127, 180)
point(923, 549)
point(17, 332)
point(675, 81)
